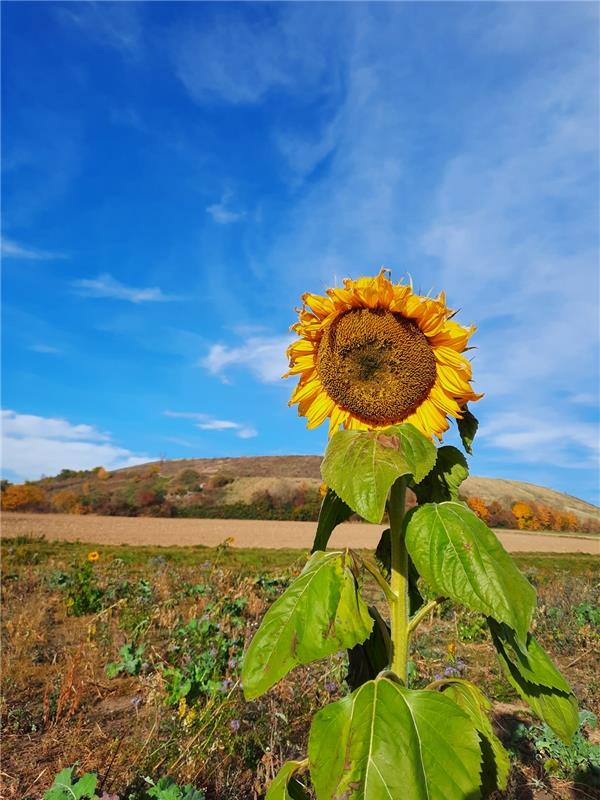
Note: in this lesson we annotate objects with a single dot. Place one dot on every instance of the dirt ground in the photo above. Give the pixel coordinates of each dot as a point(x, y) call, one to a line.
point(245, 533)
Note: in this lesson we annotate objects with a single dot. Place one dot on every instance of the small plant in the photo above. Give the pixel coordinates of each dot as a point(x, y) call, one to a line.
point(203, 654)
point(472, 627)
point(67, 787)
point(83, 595)
point(167, 789)
point(587, 614)
point(579, 761)
point(131, 661)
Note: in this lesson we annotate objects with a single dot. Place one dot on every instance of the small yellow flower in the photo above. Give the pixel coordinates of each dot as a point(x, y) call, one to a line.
point(452, 648)
point(323, 489)
point(70, 602)
point(182, 708)
point(94, 555)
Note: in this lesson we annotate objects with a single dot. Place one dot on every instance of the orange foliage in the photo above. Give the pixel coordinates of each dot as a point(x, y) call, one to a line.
point(523, 515)
point(102, 474)
point(65, 501)
point(478, 506)
point(23, 496)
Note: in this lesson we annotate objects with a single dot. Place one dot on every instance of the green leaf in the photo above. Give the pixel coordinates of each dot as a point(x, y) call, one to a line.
point(555, 705)
point(333, 511)
point(385, 741)
point(285, 786)
point(361, 466)
point(320, 613)
point(467, 428)
point(532, 661)
point(459, 557)
point(367, 660)
point(445, 478)
point(383, 554)
point(86, 786)
point(495, 762)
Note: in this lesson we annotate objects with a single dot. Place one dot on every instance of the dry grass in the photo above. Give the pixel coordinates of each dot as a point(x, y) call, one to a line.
point(59, 706)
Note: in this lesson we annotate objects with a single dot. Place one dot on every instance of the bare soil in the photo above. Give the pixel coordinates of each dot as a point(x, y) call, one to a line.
point(245, 533)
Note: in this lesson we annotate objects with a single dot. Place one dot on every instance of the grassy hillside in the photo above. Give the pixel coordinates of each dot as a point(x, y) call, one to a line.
point(270, 487)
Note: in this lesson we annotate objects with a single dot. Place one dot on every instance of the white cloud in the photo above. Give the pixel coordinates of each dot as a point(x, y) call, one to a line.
point(222, 214)
point(107, 286)
point(263, 356)
point(544, 438)
point(33, 446)
point(12, 249)
point(205, 422)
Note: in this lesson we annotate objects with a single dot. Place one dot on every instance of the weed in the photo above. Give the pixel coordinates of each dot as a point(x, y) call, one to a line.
point(131, 661)
point(67, 787)
point(580, 760)
point(167, 789)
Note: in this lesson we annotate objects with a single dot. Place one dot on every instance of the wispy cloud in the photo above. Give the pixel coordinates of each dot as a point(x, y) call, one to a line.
point(117, 25)
point(205, 422)
point(9, 248)
point(46, 349)
point(107, 286)
point(33, 446)
point(236, 60)
point(262, 356)
point(222, 213)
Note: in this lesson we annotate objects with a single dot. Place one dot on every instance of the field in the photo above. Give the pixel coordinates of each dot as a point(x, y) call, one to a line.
point(129, 666)
point(248, 533)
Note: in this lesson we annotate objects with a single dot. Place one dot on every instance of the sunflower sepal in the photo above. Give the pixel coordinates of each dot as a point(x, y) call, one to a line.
point(361, 466)
point(467, 428)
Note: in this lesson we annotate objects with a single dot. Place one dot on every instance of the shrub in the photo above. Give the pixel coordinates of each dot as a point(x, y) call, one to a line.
point(23, 497)
point(478, 505)
point(65, 501)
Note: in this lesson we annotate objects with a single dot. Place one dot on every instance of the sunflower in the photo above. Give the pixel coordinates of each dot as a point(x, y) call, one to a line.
point(374, 353)
point(94, 555)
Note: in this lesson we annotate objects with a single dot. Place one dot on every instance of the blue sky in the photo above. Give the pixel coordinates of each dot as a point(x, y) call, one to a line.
point(176, 175)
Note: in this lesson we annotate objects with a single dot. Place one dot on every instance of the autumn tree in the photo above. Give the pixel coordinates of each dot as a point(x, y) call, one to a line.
point(23, 497)
point(65, 501)
point(477, 505)
point(523, 514)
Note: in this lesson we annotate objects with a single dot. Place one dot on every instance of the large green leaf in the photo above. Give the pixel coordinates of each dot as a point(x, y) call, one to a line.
point(495, 762)
point(285, 786)
point(383, 554)
point(556, 706)
point(320, 613)
point(367, 660)
point(333, 511)
point(459, 557)
point(386, 742)
point(445, 478)
point(361, 466)
point(467, 428)
point(531, 660)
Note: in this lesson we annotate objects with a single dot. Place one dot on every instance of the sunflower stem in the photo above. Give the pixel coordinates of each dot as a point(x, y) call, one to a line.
point(399, 581)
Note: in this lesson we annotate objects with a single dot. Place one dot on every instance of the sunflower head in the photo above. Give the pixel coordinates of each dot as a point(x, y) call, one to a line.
point(94, 555)
point(373, 354)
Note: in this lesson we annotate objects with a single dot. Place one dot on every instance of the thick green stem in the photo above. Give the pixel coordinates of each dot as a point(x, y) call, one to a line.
point(399, 581)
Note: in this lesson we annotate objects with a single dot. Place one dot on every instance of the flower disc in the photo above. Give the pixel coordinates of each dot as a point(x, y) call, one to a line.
point(376, 364)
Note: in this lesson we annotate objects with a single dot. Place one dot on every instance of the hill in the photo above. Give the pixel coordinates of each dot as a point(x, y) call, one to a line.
point(279, 487)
